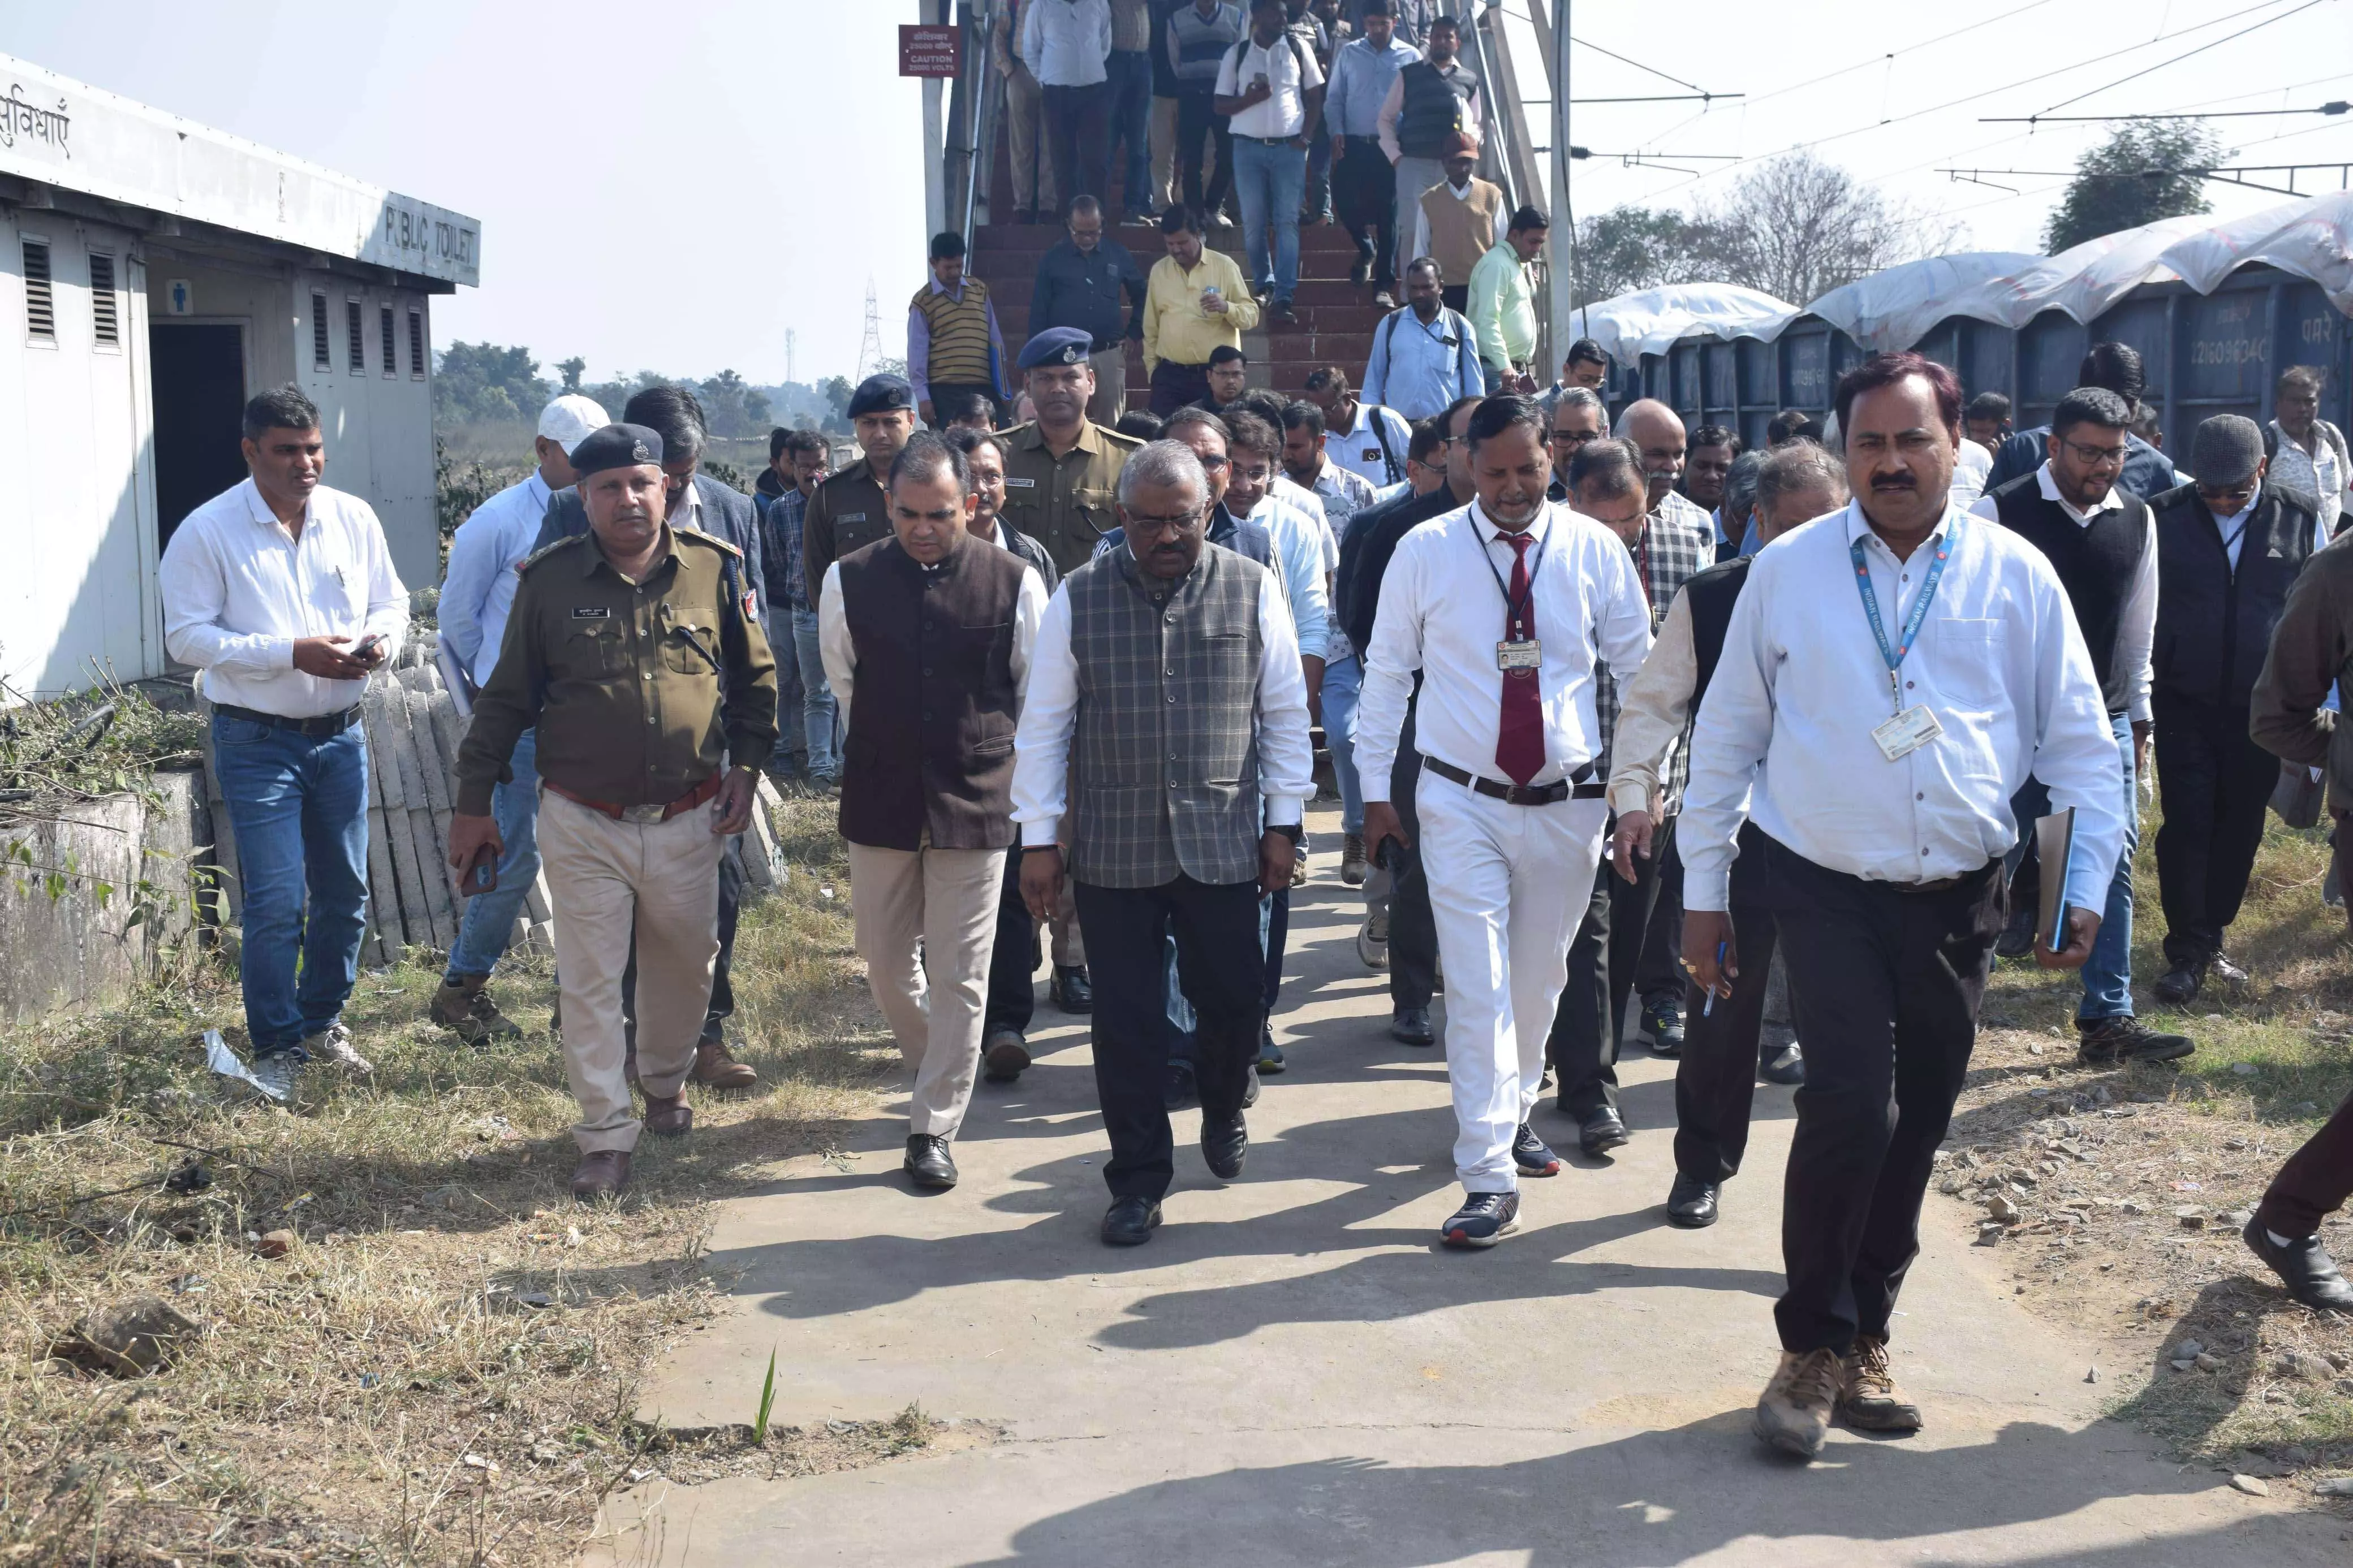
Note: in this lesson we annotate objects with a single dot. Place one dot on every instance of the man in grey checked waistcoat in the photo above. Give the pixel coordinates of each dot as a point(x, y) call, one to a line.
point(1167, 714)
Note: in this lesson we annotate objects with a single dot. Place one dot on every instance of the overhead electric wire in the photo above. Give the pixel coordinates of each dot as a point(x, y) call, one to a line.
point(2339, 106)
point(2201, 49)
point(1639, 65)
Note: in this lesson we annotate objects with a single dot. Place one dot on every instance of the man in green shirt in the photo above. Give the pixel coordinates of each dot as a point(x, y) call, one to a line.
point(1503, 305)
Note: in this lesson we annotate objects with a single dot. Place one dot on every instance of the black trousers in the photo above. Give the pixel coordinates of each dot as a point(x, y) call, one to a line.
point(1716, 1080)
point(1456, 297)
point(946, 394)
point(1013, 963)
point(722, 991)
point(1591, 1017)
point(1887, 983)
point(2315, 1181)
point(1078, 139)
point(1196, 122)
point(1364, 195)
point(2214, 784)
point(1173, 385)
point(1660, 976)
point(1413, 927)
point(1217, 951)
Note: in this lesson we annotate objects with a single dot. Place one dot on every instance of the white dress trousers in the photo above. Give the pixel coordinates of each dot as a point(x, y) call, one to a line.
point(1507, 886)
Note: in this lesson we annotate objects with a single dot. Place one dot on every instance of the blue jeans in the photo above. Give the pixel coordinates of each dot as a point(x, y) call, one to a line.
point(1129, 120)
point(1343, 682)
point(297, 806)
point(1272, 177)
point(818, 708)
point(1319, 175)
point(791, 700)
point(489, 916)
point(2107, 975)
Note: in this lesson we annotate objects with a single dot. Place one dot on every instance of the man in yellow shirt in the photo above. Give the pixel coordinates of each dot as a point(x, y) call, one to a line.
point(1196, 300)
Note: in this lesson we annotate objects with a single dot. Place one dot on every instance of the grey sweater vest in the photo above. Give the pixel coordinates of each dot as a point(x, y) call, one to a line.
point(1163, 764)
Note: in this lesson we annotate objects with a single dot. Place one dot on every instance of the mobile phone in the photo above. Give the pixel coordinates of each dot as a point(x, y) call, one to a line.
point(481, 873)
point(367, 644)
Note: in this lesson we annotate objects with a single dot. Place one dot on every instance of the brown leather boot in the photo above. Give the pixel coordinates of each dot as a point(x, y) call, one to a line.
point(1869, 1400)
point(670, 1116)
point(715, 1069)
point(602, 1173)
point(1794, 1415)
point(464, 1007)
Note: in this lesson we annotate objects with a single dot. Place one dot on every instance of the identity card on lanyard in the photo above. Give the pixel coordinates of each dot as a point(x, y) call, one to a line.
point(1520, 653)
point(1913, 727)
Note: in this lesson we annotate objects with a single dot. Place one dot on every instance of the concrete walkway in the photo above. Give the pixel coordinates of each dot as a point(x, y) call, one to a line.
point(1292, 1372)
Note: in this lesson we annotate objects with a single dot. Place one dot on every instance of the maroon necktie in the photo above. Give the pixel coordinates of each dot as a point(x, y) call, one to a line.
point(1519, 739)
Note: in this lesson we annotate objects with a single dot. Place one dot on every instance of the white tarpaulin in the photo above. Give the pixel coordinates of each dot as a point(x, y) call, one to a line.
point(2082, 281)
point(1895, 309)
point(2311, 238)
point(1649, 322)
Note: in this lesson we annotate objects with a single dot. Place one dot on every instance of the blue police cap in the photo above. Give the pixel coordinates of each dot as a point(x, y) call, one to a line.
point(616, 446)
point(1056, 345)
point(881, 395)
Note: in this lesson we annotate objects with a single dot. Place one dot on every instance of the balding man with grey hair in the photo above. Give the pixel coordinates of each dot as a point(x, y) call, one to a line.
point(1167, 713)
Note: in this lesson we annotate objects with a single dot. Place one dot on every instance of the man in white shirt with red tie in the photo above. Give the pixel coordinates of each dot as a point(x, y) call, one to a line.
point(1504, 608)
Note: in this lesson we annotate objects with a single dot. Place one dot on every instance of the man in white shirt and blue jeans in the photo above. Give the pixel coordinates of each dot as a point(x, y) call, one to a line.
point(478, 589)
point(1271, 90)
point(1891, 675)
point(281, 593)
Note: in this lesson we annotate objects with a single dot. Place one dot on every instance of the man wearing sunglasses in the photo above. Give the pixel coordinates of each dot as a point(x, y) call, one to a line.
point(2103, 541)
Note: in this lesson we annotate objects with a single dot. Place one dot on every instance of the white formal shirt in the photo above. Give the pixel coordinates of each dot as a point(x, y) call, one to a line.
point(839, 649)
point(1299, 536)
point(1284, 114)
point(1049, 717)
point(477, 587)
point(1442, 613)
point(1358, 447)
point(2137, 626)
point(1653, 709)
point(240, 590)
point(1972, 467)
point(1802, 685)
point(1065, 42)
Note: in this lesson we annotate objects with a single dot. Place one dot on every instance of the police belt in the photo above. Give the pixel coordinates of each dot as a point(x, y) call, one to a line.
point(317, 724)
point(1581, 785)
point(643, 813)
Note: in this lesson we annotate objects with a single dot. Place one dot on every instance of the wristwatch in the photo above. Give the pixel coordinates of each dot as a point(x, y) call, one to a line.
point(1291, 830)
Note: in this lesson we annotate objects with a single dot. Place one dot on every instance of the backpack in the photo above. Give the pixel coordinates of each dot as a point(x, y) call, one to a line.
point(1298, 60)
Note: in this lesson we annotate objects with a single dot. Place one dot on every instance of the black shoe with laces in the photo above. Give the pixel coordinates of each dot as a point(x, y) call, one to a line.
point(928, 1164)
point(1072, 990)
point(1662, 1021)
point(1130, 1222)
point(1485, 1219)
point(1410, 1026)
point(2305, 1267)
point(2100, 1041)
point(1532, 1154)
point(1224, 1145)
point(1270, 1055)
point(1691, 1203)
point(1177, 1090)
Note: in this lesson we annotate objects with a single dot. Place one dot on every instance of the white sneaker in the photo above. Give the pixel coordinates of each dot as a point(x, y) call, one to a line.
point(334, 1049)
point(276, 1074)
point(1372, 941)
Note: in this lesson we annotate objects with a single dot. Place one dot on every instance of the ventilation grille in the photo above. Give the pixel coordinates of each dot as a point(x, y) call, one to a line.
point(106, 324)
point(391, 343)
point(40, 294)
point(322, 356)
point(357, 333)
point(416, 342)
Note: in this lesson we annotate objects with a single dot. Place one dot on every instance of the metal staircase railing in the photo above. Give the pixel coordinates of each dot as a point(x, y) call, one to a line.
point(975, 111)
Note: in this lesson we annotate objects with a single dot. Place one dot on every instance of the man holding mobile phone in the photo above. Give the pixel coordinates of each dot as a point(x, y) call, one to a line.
point(281, 593)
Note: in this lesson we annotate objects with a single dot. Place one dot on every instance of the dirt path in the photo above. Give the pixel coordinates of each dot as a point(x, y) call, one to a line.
point(1291, 1374)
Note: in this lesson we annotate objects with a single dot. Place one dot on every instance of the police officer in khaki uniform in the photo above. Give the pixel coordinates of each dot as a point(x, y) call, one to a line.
point(654, 694)
point(1062, 470)
point(851, 510)
point(1062, 489)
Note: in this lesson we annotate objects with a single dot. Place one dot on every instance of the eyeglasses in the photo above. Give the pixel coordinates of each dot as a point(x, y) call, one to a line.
point(1574, 437)
point(1213, 464)
point(2096, 456)
point(1140, 523)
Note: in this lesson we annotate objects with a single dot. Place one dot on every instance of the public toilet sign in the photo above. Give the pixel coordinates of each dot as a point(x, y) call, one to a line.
point(931, 51)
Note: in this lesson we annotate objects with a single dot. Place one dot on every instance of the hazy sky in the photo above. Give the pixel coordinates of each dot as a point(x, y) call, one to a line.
point(672, 187)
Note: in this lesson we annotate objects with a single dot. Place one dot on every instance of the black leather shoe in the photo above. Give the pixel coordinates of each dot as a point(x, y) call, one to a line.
point(1250, 1087)
point(2100, 1041)
point(1662, 1021)
point(2017, 938)
point(1179, 1089)
point(1691, 1203)
point(1786, 1066)
point(1131, 1222)
point(2178, 985)
point(927, 1163)
point(1601, 1131)
point(1410, 1025)
point(1071, 990)
point(2221, 969)
point(1532, 1154)
point(1005, 1058)
point(1224, 1144)
point(2305, 1267)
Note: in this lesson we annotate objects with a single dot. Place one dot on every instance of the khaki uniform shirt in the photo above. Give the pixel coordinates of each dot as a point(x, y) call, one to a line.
point(640, 689)
point(849, 511)
point(1065, 503)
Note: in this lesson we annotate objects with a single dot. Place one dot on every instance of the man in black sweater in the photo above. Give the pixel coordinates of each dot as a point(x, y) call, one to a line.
point(2102, 540)
point(2228, 547)
point(1373, 535)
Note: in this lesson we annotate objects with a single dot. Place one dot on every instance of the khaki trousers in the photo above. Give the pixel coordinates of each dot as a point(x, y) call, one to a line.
point(1109, 400)
point(606, 876)
point(947, 899)
point(1164, 153)
point(1025, 115)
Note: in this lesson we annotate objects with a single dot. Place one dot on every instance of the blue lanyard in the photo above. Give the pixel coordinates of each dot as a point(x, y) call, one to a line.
point(1913, 621)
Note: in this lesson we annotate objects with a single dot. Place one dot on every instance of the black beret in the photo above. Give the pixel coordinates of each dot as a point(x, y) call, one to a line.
point(616, 446)
point(1056, 345)
point(881, 395)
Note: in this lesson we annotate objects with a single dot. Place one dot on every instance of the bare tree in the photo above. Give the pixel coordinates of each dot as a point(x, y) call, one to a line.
point(1797, 227)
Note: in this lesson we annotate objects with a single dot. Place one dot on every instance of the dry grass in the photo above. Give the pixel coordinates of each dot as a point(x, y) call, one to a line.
point(444, 1367)
point(2098, 1161)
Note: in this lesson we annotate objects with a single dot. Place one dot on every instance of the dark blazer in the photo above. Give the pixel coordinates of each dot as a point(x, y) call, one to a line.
point(727, 513)
point(2214, 626)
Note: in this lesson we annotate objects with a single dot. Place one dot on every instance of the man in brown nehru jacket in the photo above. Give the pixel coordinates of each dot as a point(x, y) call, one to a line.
point(926, 637)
